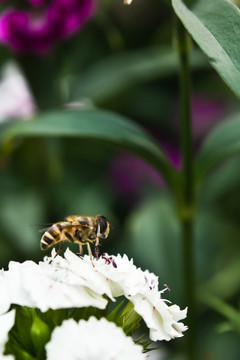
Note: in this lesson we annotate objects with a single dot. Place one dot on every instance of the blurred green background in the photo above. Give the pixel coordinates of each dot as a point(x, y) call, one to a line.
point(123, 60)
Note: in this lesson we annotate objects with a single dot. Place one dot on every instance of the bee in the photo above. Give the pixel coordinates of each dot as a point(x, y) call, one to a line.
point(79, 229)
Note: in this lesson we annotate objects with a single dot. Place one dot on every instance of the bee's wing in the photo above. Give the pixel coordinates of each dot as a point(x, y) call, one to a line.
point(64, 226)
point(69, 226)
point(45, 228)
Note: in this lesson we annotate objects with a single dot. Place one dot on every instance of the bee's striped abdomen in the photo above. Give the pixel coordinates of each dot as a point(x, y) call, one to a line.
point(51, 236)
point(68, 236)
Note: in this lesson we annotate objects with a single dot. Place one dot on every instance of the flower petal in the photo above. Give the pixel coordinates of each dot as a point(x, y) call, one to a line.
point(99, 339)
point(7, 321)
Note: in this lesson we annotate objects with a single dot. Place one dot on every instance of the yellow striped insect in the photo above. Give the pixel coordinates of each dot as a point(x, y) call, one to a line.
point(80, 229)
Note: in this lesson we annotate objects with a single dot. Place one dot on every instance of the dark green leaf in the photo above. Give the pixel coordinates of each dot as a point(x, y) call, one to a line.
point(115, 74)
point(154, 232)
point(20, 206)
point(219, 183)
point(93, 125)
point(215, 26)
point(222, 142)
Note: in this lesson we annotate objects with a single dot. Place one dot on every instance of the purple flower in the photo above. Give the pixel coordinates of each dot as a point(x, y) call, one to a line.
point(128, 174)
point(43, 24)
point(206, 112)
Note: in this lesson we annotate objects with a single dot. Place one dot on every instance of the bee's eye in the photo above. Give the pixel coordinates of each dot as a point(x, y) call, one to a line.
point(102, 224)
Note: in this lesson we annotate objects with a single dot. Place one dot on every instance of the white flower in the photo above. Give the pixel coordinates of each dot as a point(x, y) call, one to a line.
point(92, 340)
point(52, 284)
point(120, 278)
point(141, 288)
point(162, 320)
point(73, 282)
point(127, 2)
point(89, 275)
point(4, 298)
point(16, 100)
point(7, 322)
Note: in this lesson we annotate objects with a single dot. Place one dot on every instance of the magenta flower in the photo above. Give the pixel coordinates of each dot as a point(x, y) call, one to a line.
point(128, 174)
point(206, 113)
point(43, 24)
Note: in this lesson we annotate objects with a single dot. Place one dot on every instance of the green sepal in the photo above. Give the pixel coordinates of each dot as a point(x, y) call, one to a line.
point(14, 348)
point(40, 334)
point(19, 342)
point(86, 312)
point(113, 313)
point(128, 319)
point(53, 318)
point(23, 323)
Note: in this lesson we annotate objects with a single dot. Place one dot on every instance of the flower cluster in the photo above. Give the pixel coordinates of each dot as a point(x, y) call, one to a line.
point(73, 282)
point(43, 23)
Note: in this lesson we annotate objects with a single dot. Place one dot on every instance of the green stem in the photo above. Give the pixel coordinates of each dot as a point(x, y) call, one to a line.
point(189, 286)
point(187, 202)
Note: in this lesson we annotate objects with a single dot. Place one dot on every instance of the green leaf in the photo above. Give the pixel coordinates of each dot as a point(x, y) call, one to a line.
point(224, 284)
point(222, 142)
point(20, 206)
point(92, 125)
point(218, 184)
point(215, 26)
point(153, 235)
point(115, 74)
point(223, 308)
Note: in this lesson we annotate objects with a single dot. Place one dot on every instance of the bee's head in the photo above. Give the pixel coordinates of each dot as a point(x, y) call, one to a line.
point(103, 227)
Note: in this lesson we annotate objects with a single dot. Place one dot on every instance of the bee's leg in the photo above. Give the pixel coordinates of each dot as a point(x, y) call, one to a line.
point(60, 249)
point(90, 253)
point(96, 252)
point(80, 253)
point(81, 249)
point(96, 248)
point(58, 252)
point(97, 242)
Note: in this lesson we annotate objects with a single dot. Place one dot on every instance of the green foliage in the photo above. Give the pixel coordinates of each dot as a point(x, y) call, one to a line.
point(156, 219)
point(128, 319)
point(219, 144)
point(20, 342)
point(92, 125)
point(40, 334)
point(214, 25)
point(228, 311)
point(112, 76)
